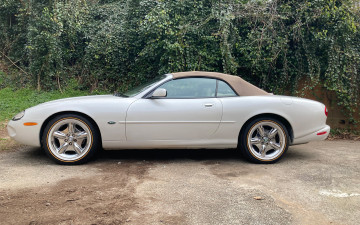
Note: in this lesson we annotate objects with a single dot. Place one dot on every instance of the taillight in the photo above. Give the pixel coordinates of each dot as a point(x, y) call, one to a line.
point(326, 111)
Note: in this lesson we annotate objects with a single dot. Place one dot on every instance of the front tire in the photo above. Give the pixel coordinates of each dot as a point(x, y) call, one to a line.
point(264, 140)
point(70, 139)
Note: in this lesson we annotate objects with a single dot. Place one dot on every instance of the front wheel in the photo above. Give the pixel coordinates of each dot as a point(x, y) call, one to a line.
point(70, 139)
point(264, 140)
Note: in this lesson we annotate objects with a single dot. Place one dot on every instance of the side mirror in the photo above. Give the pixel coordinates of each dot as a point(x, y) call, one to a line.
point(159, 93)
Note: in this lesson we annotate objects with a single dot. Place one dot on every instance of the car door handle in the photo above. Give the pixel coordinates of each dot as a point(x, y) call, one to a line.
point(208, 105)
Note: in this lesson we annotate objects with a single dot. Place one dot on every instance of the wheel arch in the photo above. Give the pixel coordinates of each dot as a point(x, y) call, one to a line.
point(271, 115)
point(68, 112)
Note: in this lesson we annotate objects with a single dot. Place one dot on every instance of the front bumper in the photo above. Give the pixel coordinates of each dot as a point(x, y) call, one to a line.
point(27, 135)
point(319, 135)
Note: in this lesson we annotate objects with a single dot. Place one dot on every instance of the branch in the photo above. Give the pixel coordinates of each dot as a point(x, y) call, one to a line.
point(14, 64)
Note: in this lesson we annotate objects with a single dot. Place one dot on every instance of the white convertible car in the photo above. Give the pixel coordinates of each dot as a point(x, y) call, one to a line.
point(180, 110)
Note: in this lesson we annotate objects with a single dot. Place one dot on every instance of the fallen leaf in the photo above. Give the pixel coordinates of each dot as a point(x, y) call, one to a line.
point(258, 198)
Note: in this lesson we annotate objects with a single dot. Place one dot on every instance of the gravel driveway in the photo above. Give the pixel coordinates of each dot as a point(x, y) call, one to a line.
point(316, 183)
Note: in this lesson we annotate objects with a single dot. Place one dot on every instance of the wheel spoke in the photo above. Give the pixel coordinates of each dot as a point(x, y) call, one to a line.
point(263, 150)
point(59, 135)
point(61, 141)
point(255, 141)
point(81, 135)
point(71, 128)
point(274, 146)
point(261, 131)
point(63, 148)
point(273, 132)
point(259, 146)
point(77, 148)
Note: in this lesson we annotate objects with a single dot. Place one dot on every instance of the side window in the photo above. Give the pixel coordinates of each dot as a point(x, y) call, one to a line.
point(224, 90)
point(190, 88)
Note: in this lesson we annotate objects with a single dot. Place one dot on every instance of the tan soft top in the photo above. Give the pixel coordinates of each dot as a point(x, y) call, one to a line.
point(240, 86)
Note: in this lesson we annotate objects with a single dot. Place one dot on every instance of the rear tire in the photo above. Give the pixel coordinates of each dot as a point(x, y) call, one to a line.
point(70, 139)
point(264, 140)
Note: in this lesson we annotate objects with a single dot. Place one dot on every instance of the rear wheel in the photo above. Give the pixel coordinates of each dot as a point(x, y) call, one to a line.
point(264, 140)
point(70, 139)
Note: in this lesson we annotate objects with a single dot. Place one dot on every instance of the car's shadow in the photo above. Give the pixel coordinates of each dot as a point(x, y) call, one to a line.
point(37, 154)
point(170, 155)
point(189, 154)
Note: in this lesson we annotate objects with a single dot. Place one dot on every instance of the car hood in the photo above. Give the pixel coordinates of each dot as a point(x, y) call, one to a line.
point(81, 98)
point(77, 100)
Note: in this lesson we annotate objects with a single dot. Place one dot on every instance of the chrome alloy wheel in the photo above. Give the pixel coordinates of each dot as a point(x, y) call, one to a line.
point(266, 140)
point(69, 139)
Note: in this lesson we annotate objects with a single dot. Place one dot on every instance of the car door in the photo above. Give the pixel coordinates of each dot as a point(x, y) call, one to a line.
point(190, 111)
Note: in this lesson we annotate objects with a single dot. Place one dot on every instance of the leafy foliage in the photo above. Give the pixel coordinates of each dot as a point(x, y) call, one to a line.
point(13, 101)
point(114, 44)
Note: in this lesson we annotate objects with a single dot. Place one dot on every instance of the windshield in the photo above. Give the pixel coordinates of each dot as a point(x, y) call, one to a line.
point(142, 86)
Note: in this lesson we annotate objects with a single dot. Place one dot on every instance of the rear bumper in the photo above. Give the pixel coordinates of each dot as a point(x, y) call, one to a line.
point(319, 135)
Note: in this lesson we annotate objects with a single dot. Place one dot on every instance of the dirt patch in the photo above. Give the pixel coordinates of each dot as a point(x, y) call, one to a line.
point(102, 199)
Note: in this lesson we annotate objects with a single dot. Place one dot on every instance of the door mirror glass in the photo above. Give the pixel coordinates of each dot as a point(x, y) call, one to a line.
point(159, 93)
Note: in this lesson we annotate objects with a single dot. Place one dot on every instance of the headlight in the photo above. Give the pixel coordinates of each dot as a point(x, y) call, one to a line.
point(19, 116)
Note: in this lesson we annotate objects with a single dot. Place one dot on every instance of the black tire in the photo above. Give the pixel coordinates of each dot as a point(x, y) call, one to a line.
point(78, 146)
point(251, 141)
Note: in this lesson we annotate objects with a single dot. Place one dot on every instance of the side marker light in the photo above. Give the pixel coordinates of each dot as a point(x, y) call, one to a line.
point(30, 124)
